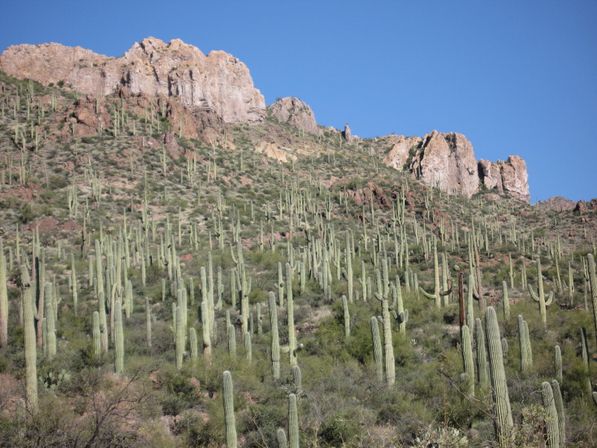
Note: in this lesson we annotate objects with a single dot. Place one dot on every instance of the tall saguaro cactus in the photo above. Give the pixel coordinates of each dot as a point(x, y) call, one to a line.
point(293, 425)
point(229, 419)
point(118, 337)
point(275, 338)
point(30, 340)
point(504, 424)
point(467, 361)
point(437, 292)
point(3, 300)
point(377, 351)
point(593, 283)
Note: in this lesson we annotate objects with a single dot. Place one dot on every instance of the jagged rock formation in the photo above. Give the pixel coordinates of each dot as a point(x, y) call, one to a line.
point(447, 161)
point(150, 68)
point(296, 113)
point(509, 177)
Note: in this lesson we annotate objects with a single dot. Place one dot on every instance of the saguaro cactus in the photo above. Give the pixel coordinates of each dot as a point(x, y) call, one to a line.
point(540, 297)
point(281, 438)
point(30, 340)
point(275, 338)
point(118, 337)
point(50, 322)
point(388, 343)
point(558, 363)
point(526, 352)
point(482, 372)
point(229, 419)
point(557, 396)
point(467, 361)
point(377, 352)
point(506, 300)
point(551, 419)
point(593, 283)
point(3, 300)
point(346, 317)
point(97, 343)
point(503, 414)
point(437, 292)
point(293, 425)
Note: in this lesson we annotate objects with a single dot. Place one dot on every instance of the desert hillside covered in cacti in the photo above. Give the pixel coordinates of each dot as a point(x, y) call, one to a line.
point(160, 291)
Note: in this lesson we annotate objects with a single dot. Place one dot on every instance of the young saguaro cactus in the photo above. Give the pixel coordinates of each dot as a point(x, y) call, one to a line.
point(504, 423)
point(281, 438)
point(97, 343)
point(229, 419)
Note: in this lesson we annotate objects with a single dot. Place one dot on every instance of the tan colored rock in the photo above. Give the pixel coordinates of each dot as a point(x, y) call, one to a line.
point(515, 178)
point(446, 161)
point(491, 176)
point(509, 177)
point(296, 113)
point(397, 156)
point(152, 68)
point(347, 133)
point(273, 151)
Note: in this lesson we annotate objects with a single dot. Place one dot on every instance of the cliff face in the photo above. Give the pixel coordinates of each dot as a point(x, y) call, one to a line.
point(447, 161)
point(150, 68)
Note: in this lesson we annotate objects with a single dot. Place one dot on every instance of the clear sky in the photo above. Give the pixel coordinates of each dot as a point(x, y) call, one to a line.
point(514, 76)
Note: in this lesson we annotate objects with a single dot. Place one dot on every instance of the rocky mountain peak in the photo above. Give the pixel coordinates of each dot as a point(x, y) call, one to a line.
point(150, 68)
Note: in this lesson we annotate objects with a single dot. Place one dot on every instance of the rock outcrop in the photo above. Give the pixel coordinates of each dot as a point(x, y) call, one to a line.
point(398, 154)
point(296, 113)
point(556, 204)
point(150, 68)
point(509, 177)
point(447, 161)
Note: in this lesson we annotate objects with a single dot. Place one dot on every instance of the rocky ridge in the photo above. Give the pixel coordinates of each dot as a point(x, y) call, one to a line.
point(201, 94)
point(150, 68)
point(447, 161)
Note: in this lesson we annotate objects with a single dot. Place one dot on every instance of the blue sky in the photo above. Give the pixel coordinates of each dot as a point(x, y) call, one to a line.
point(516, 77)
